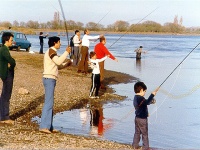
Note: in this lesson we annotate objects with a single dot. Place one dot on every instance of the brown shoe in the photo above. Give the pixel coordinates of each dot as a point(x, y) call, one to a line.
point(8, 121)
point(79, 71)
point(55, 131)
point(45, 131)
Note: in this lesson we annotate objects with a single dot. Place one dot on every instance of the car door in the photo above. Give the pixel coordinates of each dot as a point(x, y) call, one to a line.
point(22, 41)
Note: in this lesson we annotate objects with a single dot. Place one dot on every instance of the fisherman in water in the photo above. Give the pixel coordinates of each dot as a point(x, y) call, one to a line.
point(139, 51)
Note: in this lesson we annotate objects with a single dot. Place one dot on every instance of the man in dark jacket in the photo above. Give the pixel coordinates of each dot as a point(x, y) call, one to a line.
point(41, 37)
point(7, 65)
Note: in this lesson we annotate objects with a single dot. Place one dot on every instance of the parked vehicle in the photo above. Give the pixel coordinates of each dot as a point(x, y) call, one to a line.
point(19, 40)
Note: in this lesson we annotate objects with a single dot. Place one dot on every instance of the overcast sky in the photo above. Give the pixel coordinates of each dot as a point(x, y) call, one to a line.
point(94, 10)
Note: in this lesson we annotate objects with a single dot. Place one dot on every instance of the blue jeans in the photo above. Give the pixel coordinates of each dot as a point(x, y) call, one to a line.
point(47, 111)
point(5, 96)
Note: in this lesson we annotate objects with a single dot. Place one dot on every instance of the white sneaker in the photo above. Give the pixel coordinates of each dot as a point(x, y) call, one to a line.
point(91, 97)
point(97, 97)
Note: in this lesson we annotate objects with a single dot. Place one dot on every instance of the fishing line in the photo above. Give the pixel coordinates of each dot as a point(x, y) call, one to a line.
point(129, 28)
point(64, 20)
point(157, 107)
point(54, 7)
point(157, 46)
point(179, 64)
point(132, 110)
point(102, 18)
point(193, 89)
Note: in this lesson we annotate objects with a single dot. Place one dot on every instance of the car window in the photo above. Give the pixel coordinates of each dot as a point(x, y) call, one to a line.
point(23, 36)
point(18, 36)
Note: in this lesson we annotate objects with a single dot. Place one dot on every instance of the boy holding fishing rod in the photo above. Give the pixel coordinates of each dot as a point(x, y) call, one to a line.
point(141, 112)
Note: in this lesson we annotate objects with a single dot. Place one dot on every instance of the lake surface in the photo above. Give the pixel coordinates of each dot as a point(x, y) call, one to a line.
point(174, 120)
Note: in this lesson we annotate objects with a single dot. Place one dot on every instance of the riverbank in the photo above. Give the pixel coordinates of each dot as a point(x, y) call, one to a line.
point(71, 92)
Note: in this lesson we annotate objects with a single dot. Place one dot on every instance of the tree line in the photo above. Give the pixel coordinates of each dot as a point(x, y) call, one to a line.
point(117, 26)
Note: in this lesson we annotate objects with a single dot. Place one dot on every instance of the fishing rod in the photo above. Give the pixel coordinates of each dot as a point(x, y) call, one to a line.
point(129, 28)
point(102, 18)
point(179, 64)
point(193, 89)
point(64, 21)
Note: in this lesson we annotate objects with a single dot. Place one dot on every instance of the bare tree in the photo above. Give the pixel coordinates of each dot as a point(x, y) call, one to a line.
point(79, 25)
point(181, 21)
point(22, 24)
point(91, 25)
point(56, 23)
point(121, 25)
point(176, 20)
point(32, 24)
point(6, 24)
point(71, 24)
point(15, 23)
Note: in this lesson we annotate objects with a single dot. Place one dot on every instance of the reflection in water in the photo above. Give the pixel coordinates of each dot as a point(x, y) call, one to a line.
point(83, 116)
point(97, 125)
point(138, 65)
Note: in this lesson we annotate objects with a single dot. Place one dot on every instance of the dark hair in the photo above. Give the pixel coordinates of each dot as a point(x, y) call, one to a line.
point(5, 37)
point(53, 40)
point(41, 33)
point(102, 38)
point(85, 31)
point(138, 86)
point(92, 54)
point(76, 31)
point(140, 46)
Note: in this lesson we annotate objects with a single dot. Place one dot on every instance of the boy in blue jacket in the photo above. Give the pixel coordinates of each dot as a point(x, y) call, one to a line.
point(141, 112)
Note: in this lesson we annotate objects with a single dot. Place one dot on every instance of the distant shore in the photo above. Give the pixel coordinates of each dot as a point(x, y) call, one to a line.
point(29, 31)
point(71, 92)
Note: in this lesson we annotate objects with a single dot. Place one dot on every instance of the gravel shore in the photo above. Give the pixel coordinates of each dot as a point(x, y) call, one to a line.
point(71, 91)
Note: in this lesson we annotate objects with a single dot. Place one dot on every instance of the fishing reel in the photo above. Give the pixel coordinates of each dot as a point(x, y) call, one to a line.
point(153, 101)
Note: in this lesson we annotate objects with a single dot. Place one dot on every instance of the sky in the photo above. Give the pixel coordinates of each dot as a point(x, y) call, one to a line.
point(105, 11)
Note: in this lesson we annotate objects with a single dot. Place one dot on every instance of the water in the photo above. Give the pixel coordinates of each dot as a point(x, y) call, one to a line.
point(173, 121)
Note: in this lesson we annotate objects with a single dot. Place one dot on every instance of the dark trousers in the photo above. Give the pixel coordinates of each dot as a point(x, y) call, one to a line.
point(76, 55)
point(5, 96)
point(41, 48)
point(95, 84)
point(141, 127)
point(83, 64)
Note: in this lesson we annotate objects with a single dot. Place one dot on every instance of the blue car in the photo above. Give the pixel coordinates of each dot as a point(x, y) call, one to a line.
point(19, 40)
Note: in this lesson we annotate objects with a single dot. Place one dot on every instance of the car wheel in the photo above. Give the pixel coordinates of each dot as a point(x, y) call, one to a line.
point(28, 49)
point(18, 48)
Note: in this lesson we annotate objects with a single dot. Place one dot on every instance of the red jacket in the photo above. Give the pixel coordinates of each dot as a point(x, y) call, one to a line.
point(101, 51)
